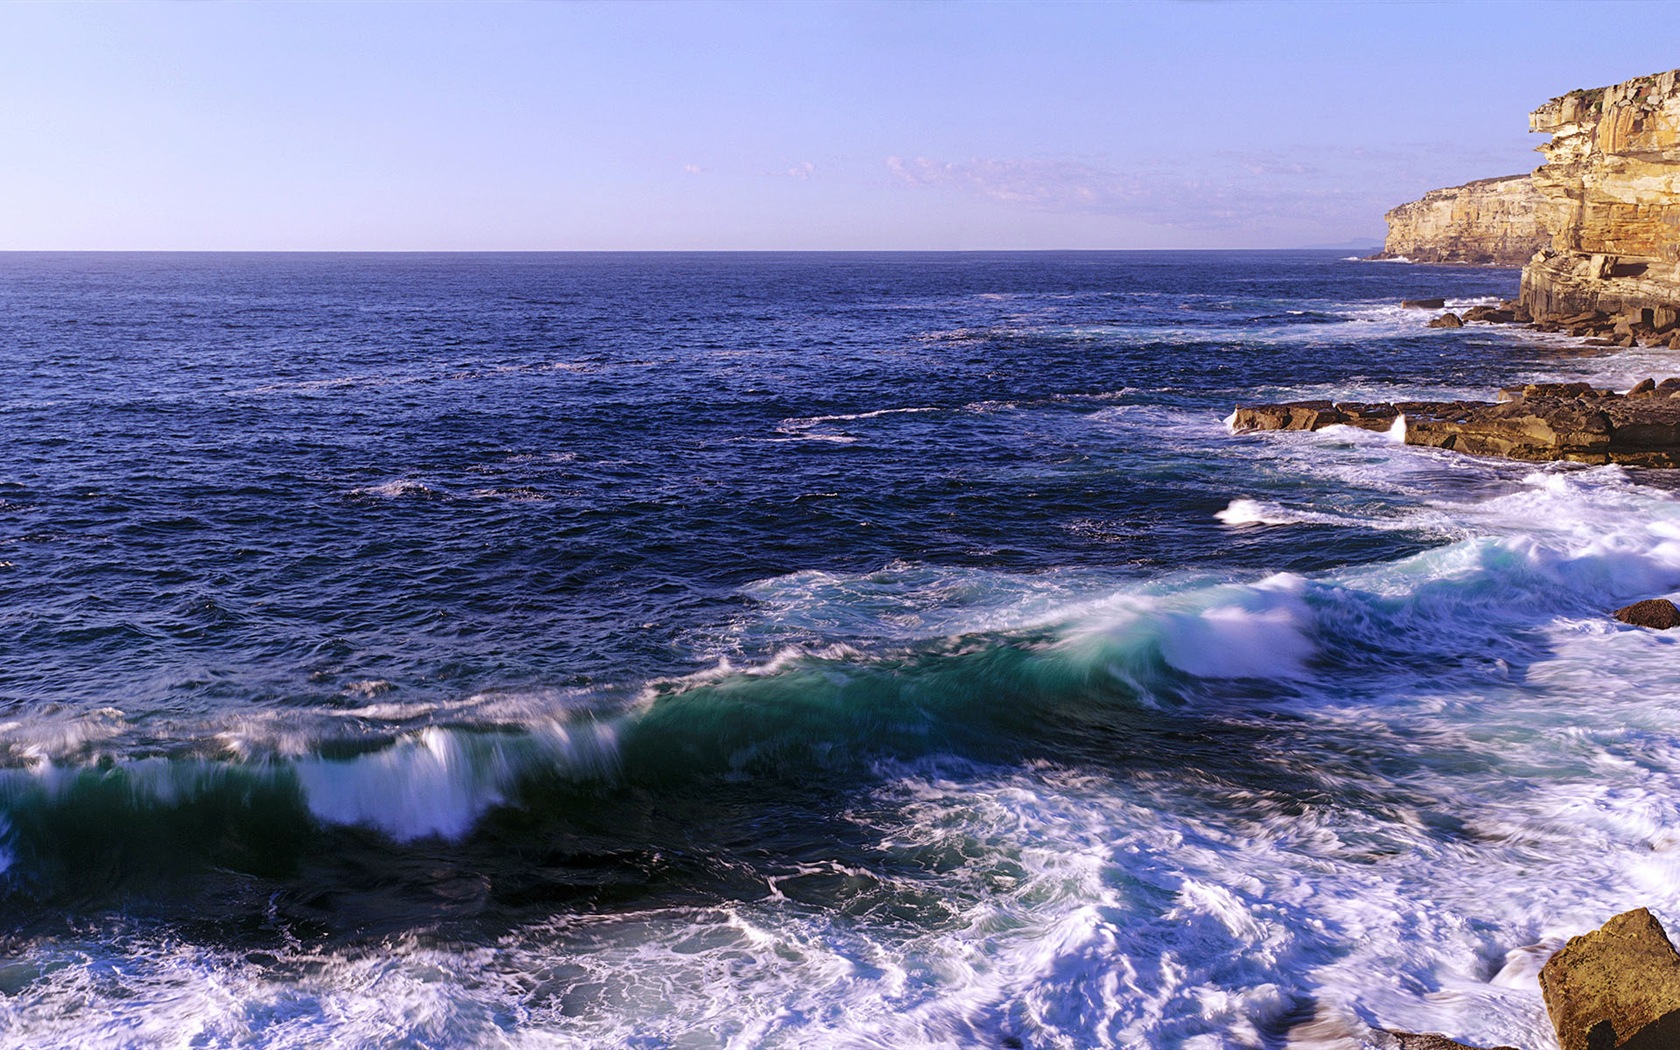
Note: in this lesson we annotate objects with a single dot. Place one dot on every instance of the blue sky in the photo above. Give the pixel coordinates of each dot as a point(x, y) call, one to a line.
point(524, 126)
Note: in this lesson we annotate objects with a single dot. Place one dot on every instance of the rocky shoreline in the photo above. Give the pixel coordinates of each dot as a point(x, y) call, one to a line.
point(1608, 202)
point(1536, 422)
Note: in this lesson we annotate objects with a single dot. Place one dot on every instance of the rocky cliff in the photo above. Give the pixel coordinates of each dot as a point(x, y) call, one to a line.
point(1489, 222)
point(1610, 195)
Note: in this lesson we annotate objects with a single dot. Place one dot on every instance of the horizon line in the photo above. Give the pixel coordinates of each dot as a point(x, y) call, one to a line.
point(660, 251)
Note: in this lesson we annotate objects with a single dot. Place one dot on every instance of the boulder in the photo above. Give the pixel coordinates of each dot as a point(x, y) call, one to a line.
point(1643, 388)
point(1659, 613)
point(1447, 320)
point(1616, 988)
point(1423, 304)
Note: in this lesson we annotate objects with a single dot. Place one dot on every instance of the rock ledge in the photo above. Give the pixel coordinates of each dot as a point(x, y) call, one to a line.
point(1536, 423)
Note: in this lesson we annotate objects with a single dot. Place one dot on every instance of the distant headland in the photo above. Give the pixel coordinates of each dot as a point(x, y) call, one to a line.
point(1596, 228)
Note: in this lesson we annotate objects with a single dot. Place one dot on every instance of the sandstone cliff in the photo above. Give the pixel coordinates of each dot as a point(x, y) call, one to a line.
point(1489, 222)
point(1610, 195)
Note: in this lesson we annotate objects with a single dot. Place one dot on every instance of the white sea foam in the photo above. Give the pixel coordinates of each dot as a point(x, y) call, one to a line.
point(396, 489)
point(437, 782)
point(1367, 859)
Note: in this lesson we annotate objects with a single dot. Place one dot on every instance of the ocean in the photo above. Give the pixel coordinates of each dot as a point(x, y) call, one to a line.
point(805, 650)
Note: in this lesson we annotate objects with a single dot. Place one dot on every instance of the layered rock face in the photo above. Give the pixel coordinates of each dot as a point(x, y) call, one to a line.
point(1610, 195)
point(1489, 222)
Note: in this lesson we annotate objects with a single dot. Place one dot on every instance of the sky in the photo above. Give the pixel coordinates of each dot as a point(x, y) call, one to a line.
point(414, 126)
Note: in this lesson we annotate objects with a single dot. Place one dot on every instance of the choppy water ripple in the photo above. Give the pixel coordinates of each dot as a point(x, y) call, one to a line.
point(798, 650)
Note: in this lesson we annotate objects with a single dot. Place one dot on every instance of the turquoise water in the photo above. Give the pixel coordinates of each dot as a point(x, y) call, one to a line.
point(806, 650)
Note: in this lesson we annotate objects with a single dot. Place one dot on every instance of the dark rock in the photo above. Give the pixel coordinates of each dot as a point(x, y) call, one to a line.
point(1368, 416)
point(1423, 304)
point(1652, 612)
point(1447, 320)
point(1490, 314)
point(1667, 387)
point(1557, 390)
point(1616, 988)
point(1643, 388)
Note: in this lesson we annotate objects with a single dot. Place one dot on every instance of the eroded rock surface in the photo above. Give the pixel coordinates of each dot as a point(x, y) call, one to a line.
point(1538, 422)
point(1489, 222)
point(1659, 613)
point(1616, 988)
point(1609, 193)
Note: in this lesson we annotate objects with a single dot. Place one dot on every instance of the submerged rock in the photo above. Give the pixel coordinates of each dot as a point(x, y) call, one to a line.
point(1424, 304)
point(1616, 988)
point(1431, 1041)
point(1652, 612)
point(1537, 422)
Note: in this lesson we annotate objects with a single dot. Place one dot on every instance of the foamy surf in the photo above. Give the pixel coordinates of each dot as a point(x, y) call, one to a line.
point(800, 651)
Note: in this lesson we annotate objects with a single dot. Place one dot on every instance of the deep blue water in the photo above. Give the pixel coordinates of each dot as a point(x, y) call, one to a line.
point(800, 650)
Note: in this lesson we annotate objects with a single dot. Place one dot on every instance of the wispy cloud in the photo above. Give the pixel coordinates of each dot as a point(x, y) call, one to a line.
point(1306, 191)
point(693, 169)
point(803, 170)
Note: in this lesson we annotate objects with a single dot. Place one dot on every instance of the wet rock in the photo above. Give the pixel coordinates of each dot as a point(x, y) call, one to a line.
point(1536, 423)
point(1291, 415)
point(1490, 314)
point(1652, 612)
point(1643, 388)
point(1447, 320)
point(1423, 304)
point(1368, 416)
point(1616, 988)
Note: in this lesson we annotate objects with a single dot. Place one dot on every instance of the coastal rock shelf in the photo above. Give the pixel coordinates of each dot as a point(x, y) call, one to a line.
point(1538, 422)
point(1489, 222)
point(1610, 196)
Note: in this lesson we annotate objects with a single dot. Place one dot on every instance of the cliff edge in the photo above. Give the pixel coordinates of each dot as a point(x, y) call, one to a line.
point(1489, 222)
point(1610, 195)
